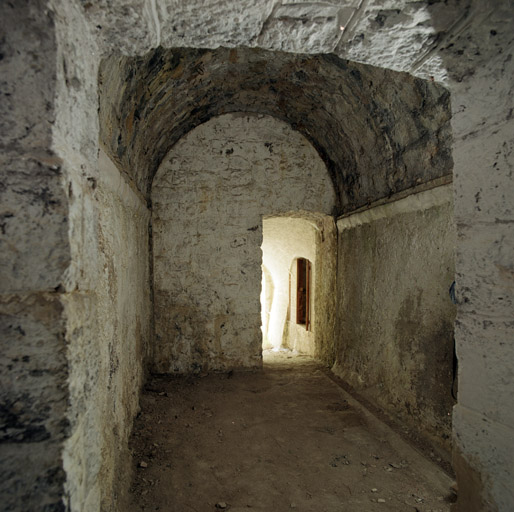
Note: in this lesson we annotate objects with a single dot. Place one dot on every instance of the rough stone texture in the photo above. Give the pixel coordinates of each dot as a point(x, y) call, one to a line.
point(34, 394)
point(111, 22)
point(469, 46)
point(402, 34)
point(208, 200)
point(24, 115)
point(483, 460)
point(325, 289)
point(107, 301)
point(33, 205)
point(285, 239)
point(395, 317)
point(73, 347)
point(34, 252)
point(108, 335)
point(209, 25)
point(107, 292)
point(32, 213)
point(377, 131)
point(294, 26)
point(480, 63)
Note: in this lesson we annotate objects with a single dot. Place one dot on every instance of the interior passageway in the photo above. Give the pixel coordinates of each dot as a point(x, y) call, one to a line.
point(290, 154)
point(283, 438)
point(142, 145)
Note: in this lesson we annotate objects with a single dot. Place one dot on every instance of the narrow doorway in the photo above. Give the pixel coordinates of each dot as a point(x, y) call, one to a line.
point(297, 249)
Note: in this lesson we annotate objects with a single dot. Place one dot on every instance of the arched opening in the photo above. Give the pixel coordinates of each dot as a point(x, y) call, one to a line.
point(209, 198)
point(69, 234)
point(303, 279)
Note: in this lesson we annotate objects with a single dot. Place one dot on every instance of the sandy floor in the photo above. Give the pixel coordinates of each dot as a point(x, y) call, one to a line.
point(287, 438)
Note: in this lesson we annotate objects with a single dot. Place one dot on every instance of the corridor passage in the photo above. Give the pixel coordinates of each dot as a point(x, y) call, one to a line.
point(287, 438)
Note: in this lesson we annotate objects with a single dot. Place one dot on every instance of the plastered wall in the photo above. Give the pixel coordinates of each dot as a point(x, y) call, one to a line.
point(209, 197)
point(394, 341)
point(108, 327)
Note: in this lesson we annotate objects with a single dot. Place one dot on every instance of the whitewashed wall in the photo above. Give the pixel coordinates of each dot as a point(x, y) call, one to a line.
point(394, 342)
point(209, 197)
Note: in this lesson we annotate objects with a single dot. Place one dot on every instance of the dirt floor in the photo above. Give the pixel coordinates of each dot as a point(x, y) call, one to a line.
point(287, 438)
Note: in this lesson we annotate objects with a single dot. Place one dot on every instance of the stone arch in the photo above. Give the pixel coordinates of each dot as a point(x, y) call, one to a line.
point(208, 199)
point(378, 131)
point(472, 40)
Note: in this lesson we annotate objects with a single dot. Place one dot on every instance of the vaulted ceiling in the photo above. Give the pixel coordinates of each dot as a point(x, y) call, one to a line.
point(378, 131)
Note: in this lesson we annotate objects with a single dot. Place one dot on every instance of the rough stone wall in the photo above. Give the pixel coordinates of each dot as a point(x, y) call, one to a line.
point(325, 289)
point(108, 334)
point(481, 66)
point(395, 316)
point(468, 44)
point(209, 197)
point(33, 401)
point(34, 252)
point(71, 365)
point(106, 299)
point(397, 34)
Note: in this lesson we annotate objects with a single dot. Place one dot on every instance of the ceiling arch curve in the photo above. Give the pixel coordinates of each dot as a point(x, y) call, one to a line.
point(378, 131)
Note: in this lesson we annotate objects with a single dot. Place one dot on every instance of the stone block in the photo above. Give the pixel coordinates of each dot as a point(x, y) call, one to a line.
point(484, 269)
point(481, 69)
point(33, 369)
point(83, 216)
point(34, 249)
point(111, 21)
point(483, 173)
point(212, 24)
point(485, 354)
point(291, 27)
point(387, 36)
point(76, 121)
point(32, 477)
point(28, 64)
point(487, 446)
point(83, 353)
